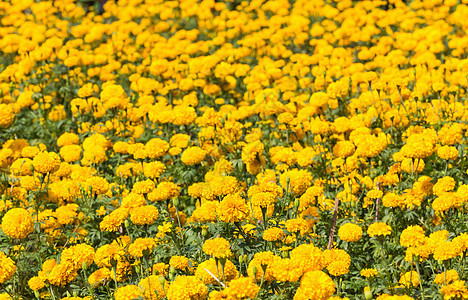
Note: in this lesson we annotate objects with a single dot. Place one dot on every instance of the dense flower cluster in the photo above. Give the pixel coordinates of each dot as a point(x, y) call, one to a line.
point(224, 149)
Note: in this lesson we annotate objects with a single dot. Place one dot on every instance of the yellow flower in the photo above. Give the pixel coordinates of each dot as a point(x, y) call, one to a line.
point(232, 209)
point(338, 261)
point(286, 269)
point(242, 288)
point(17, 223)
point(114, 220)
point(230, 271)
point(315, 285)
point(144, 215)
point(45, 162)
point(454, 290)
point(350, 232)
point(412, 236)
point(36, 283)
point(446, 278)
point(7, 267)
point(7, 115)
point(273, 234)
point(98, 277)
point(128, 292)
point(369, 272)
point(187, 287)
point(379, 229)
point(311, 258)
point(152, 288)
point(409, 279)
point(193, 156)
point(142, 247)
point(217, 247)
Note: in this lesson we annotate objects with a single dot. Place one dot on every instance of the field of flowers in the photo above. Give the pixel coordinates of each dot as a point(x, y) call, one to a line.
point(233, 149)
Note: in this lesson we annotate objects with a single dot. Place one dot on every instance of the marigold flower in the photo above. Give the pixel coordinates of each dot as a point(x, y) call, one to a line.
point(409, 279)
point(77, 255)
point(369, 272)
point(299, 181)
point(141, 247)
point(343, 149)
point(311, 258)
point(286, 269)
point(233, 208)
point(338, 261)
point(98, 277)
point(263, 199)
point(455, 290)
point(7, 267)
point(273, 234)
point(451, 275)
point(45, 162)
point(153, 169)
point(230, 271)
point(379, 229)
point(36, 283)
point(445, 202)
point(179, 262)
point(133, 200)
point(152, 288)
point(193, 155)
point(143, 187)
point(7, 115)
point(144, 215)
point(392, 200)
point(350, 232)
point(446, 250)
point(114, 220)
point(217, 247)
point(315, 285)
point(164, 191)
point(98, 185)
point(128, 292)
point(70, 153)
point(242, 288)
point(443, 185)
point(262, 262)
point(447, 152)
point(187, 287)
point(156, 148)
point(17, 223)
point(412, 236)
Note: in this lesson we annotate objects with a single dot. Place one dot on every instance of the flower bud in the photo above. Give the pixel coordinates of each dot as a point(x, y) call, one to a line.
point(162, 280)
point(175, 201)
point(204, 232)
point(367, 293)
point(296, 203)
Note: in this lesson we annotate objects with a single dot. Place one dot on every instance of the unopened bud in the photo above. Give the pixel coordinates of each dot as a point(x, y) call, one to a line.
point(162, 280)
point(126, 223)
point(367, 293)
point(204, 232)
point(296, 203)
point(84, 266)
point(241, 259)
point(175, 201)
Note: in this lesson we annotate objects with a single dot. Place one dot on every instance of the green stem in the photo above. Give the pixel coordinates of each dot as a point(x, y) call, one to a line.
point(420, 279)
